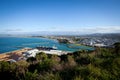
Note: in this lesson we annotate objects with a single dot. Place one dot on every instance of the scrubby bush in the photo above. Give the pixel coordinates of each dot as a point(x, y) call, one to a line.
point(101, 64)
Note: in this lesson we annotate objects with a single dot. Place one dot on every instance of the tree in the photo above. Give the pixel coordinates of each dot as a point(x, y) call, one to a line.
point(7, 71)
point(31, 60)
point(31, 76)
point(41, 56)
point(117, 48)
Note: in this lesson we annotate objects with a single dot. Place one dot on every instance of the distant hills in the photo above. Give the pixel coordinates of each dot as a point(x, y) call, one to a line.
point(44, 33)
point(105, 35)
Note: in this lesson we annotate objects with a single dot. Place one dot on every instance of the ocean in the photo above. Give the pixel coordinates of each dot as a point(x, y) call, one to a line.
point(8, 44)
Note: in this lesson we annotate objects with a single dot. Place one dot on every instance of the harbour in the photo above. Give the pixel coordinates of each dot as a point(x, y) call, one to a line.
point(8, 44)
point(14, 48)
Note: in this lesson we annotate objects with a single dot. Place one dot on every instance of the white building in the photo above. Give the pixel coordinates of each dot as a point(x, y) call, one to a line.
point(56, 52)
point(99, 45)
point(31, 53)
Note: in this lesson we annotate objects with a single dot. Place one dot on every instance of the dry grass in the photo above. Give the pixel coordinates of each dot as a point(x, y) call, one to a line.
point(13, 55)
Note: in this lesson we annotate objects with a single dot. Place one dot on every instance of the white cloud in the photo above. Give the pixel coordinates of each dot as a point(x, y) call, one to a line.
point(98, 29)
point(13, 30)
point(80, 30)
point(107, 29)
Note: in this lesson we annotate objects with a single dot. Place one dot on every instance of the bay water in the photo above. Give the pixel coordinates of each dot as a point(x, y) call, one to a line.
point(8, 44)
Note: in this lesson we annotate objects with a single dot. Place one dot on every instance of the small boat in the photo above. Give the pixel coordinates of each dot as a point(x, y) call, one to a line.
point(54, 47)
point(46, 48)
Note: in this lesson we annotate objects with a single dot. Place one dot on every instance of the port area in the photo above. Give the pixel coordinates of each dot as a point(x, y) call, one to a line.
point(25, 53)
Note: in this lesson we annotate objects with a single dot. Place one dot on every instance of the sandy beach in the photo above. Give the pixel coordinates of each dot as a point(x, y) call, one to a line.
point(13, 54)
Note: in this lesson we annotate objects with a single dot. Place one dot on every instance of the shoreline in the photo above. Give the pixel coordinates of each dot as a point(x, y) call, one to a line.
point(76, 44)
point(15, 55)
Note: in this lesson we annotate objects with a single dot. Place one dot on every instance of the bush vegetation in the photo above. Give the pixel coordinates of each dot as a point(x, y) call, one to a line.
point(101, 64)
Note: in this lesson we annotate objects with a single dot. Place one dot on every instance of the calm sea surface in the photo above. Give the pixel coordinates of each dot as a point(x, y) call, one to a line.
point(14, 43)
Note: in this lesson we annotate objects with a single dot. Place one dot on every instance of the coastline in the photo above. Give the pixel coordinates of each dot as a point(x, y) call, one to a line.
point(15, 55)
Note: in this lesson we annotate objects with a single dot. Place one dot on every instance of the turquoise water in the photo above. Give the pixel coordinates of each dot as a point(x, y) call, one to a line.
point(14, 43)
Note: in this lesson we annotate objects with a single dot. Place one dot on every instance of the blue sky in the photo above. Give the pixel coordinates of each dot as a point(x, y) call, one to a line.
point(83, 16)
